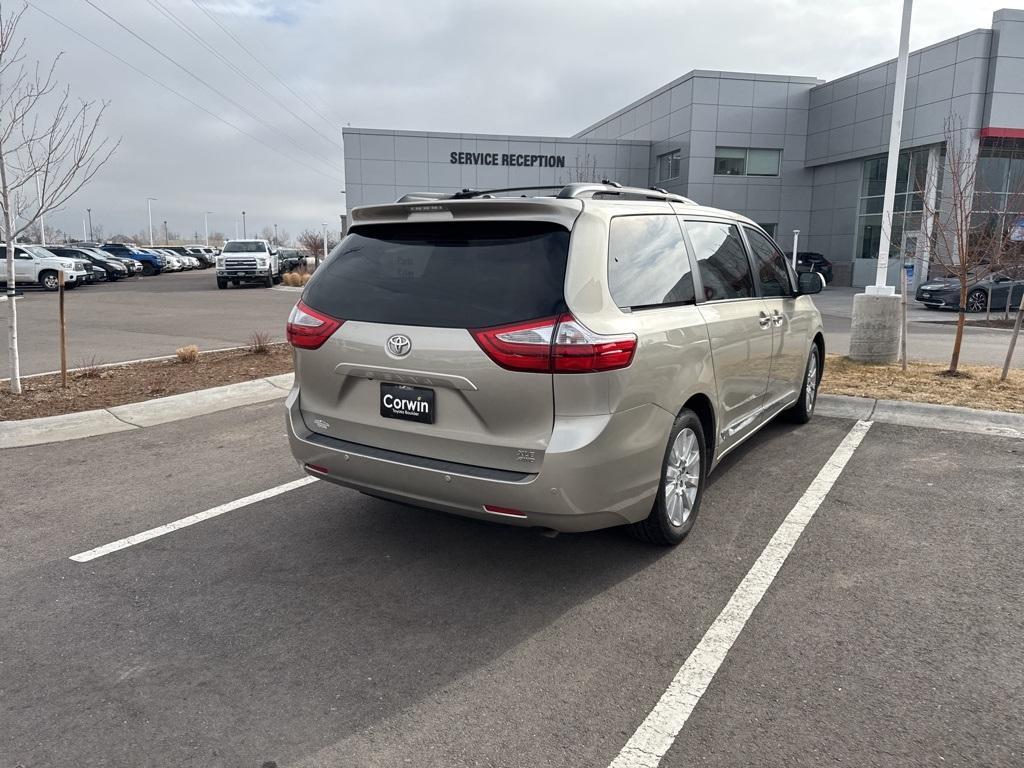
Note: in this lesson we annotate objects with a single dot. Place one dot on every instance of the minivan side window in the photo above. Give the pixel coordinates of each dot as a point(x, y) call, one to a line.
point(722, 259)
point(772, 273)
point(647, 262)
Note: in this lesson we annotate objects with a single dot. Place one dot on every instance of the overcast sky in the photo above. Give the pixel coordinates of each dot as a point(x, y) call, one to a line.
point(522, 67)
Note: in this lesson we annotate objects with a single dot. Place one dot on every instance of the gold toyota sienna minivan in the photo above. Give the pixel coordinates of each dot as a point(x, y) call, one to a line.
point(574, 361)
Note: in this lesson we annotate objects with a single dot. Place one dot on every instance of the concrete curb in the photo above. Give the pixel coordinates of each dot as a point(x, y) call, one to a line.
point(121, 418)
point(908, 414)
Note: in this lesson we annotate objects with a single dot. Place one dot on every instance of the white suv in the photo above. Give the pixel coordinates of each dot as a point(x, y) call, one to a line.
point(35, 264)
point(248, 261)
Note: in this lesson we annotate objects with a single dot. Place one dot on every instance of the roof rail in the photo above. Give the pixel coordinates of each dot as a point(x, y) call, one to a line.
point(605, 188)
point(614, 189)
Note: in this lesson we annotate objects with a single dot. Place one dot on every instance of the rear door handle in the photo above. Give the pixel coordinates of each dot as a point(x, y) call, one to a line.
point(778, 318)
point(763, 320)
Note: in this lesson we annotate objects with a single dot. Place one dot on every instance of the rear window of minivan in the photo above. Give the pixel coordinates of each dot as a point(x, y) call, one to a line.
point(444, 274)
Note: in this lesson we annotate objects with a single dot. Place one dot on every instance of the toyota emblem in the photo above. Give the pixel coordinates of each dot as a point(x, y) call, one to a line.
point(399, 345)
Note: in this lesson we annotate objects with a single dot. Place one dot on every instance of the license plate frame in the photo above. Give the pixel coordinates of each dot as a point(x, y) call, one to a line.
point(407, 403)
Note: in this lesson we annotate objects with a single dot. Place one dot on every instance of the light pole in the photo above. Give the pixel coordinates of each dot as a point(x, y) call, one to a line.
point(206, 226)
point(275, 234)
point(165, 231)
point(325, 243)
point(243, 226)
point(149, 205)
point(89, 212)
point(875, 327)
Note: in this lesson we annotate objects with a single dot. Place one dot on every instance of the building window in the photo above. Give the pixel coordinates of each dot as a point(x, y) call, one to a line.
point(668, 166)
point(911, 175)
point(997, 214)
point(737, 161)
point(771, 229)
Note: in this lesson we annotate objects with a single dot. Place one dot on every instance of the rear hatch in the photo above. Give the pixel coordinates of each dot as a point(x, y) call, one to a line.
point(404, 371)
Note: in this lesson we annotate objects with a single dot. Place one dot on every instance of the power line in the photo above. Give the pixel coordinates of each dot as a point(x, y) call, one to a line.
point(259, 61)
point(217, 91)
point(182, 96)
point(202, 41)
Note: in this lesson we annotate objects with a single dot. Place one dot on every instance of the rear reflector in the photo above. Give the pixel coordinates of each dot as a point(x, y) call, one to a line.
point(508, 512)
point(555, 345)
point(316, 468)
point(309, 329)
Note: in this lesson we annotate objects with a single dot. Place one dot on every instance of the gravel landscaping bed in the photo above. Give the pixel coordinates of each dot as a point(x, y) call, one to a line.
point(131, 383)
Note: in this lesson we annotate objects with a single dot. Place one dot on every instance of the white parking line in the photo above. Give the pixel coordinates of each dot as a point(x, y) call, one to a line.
point(152, 533)
point(656, 734)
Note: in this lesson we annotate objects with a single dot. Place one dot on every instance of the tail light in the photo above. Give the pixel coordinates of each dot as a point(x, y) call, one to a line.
point(555, 345)
point(309, 329)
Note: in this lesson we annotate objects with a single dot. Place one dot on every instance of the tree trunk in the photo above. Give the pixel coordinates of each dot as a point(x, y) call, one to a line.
point(12, 305)
point(1013, 338)
point(961, 318)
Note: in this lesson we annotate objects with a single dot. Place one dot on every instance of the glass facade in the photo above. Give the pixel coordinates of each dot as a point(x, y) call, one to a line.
point(911, 174)
point(997, 217)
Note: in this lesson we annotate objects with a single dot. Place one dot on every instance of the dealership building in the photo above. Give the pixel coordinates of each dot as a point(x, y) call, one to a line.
point(792, 153)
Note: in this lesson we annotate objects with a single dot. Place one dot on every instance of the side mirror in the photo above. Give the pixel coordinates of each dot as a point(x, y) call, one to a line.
point(809, 283)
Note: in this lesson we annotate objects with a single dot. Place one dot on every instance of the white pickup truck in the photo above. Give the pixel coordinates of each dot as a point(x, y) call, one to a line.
point(35, 264)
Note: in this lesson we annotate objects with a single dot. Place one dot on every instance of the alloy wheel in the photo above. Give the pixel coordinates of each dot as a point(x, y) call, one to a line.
point(682, 476)
point(811, 385)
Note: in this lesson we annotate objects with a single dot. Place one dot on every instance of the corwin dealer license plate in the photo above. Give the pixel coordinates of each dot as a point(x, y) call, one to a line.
point(398, 401)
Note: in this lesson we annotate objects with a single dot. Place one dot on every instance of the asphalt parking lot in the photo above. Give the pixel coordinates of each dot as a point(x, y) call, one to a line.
point(149, 317)
point(144, 317)
point(319, 627)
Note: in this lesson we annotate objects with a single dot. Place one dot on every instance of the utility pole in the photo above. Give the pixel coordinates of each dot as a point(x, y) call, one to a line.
point(206, 226)
point(275, 234)
point(149, 205)
point(325, 242)
point(89, 212)
point(244, 235)
point(875, 330)
point(165, 231)
point(85, 232)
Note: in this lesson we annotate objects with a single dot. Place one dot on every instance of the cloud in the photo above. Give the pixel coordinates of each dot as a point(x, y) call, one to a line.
point(529, 67)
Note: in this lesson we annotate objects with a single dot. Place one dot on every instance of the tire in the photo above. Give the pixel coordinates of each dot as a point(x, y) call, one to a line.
point(48, 280)
point(148, 270)
point(222, 283)
point(976, 301)
point(675, 507)
point(70, 286)
point(801, 412)
point(277, 278)
point(269, 282)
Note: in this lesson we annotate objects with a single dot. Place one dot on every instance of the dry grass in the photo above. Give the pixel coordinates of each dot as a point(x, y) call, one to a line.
point(295, 279)
point(90, 368)
point(187, 354)
point(978, 387)
point(259, 342)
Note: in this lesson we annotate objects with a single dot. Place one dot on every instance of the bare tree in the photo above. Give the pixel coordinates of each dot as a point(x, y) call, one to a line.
point(313, 241)
point(584, 169)
point(969, 244)
point(49, 149)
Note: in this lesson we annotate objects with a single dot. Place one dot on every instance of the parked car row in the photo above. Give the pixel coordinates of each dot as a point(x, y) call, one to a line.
point(87, 263)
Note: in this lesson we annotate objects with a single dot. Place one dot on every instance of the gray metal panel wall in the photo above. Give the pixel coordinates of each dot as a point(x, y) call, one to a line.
point(382, 165)
point(1004, 106)
point(850, 117)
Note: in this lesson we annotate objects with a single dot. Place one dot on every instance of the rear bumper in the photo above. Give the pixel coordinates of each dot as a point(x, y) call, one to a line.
point(599, 471)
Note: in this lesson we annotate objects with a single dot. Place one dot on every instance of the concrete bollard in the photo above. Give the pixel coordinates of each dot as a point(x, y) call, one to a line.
point(875, 333)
